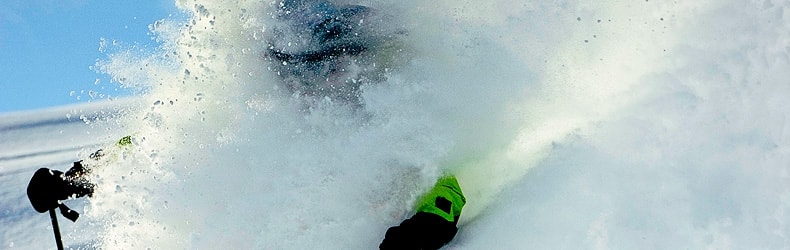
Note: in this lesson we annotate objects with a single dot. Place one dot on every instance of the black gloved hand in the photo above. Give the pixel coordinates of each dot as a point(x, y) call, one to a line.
point(48, 187)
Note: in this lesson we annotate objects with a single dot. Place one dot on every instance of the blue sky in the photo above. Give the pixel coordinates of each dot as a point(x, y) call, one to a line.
point(48, 47)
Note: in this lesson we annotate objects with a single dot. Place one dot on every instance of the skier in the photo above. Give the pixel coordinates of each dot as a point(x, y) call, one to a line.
point(435, 222)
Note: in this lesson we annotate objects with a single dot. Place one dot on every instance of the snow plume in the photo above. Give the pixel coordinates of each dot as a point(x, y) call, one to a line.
point(225, 155)
point(645, 119)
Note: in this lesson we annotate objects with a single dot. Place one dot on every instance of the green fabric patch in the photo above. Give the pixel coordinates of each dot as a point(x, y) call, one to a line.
point(445, 199)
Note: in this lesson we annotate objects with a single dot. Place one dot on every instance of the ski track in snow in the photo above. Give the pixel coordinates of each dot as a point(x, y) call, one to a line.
point(570, 125)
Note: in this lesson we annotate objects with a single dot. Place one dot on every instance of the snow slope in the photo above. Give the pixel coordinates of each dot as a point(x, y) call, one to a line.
point(570, 124)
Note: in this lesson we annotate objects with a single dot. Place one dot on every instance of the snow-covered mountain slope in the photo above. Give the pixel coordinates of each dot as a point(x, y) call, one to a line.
point(570, 125)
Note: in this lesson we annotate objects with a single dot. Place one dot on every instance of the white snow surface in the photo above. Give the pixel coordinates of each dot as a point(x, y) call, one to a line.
point(570, 125)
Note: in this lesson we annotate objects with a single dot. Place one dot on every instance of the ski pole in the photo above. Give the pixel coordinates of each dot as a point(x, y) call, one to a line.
point(55, 228)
